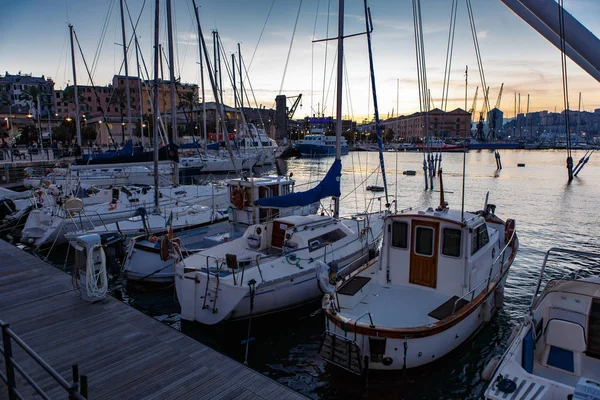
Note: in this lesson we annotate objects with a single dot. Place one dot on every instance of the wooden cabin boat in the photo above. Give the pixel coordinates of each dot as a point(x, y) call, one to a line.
point(440, 275)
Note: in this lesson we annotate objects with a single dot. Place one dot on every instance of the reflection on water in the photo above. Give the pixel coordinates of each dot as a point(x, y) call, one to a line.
point(548, 212)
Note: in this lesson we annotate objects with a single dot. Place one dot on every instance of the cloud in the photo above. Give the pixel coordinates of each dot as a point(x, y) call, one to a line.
point(482, 35)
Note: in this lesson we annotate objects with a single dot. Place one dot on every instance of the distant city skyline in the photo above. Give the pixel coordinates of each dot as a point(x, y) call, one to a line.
point(34, 39)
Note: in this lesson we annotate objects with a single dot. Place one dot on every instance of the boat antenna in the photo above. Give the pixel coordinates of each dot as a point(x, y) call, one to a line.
point(462, 207)
point(339, 97)
point(369, 29)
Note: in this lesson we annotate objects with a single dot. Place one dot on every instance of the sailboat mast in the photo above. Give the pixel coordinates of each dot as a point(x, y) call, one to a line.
point(218, 104)
point(75, 93)
point(339, 96)
point(241, 79)
point(128, 95)
point(156, 114)
point(139, 75)
point(369, 28)
point(172, 73)
point(201, 80)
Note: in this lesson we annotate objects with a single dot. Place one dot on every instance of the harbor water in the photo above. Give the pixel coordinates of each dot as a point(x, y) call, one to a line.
point(548, 211)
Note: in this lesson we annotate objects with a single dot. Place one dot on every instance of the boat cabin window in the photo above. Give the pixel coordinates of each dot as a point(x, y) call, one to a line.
point(285, 189)
point(479, 239)
point(424, 237)
point(451, 242)
point(400, 235)
point(325, 239)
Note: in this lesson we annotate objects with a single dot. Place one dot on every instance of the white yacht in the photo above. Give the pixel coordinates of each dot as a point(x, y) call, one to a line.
point(439, 276)
point(254, 141)
point(48, 225)
point(98, 175)
point(555, 350)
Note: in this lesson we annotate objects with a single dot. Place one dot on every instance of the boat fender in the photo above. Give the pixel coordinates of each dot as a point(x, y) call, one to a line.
point(323, 279)
point(509, 228)
point(499, 297)
point(486, 312)
point(490, 368)
point(40, 196)
point(237, 198)
point(152, 239)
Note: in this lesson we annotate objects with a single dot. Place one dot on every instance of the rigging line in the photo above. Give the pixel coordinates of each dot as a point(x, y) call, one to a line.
point(333, 66)
point(287, 60)
point(62, 53)
point(260, 36)
point(312, 59)
point(102, 37)
point(349, 106)
point(362, 183)
point(251, 91)
point(93, 88)
point(478, 53)
point(449, 51)
point(565, 85)
point(322, 111)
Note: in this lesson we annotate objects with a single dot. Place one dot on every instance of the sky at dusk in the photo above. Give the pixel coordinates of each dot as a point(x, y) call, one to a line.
point(34, 39)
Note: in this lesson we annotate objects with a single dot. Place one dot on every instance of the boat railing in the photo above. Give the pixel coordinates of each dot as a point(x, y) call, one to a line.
point(372, 325)
point(74, 390)
point(573, 274)
point(499, 258)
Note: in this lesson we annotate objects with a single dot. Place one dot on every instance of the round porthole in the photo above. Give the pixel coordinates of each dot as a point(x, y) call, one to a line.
point(258, 230)
point(387, 361)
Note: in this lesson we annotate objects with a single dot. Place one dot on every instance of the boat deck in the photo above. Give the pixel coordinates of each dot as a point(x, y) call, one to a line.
point(125, 353)
point(398, 306)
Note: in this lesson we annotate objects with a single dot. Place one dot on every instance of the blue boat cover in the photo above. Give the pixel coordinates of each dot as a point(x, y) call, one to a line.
point(328, 187)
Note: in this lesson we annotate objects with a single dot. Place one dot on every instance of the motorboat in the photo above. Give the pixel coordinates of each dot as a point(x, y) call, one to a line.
point(254, 141)
point(555, 350)
point(440, 275)
point(436, 145)
point(144, 255)
point(320, 145)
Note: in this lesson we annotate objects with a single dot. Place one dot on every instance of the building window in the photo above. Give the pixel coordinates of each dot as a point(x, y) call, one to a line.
point(424, 241)
point(479, 239)
point(451, 242)
point(399, 235)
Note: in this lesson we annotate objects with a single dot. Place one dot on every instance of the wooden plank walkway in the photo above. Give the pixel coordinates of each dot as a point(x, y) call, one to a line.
point(125, 353)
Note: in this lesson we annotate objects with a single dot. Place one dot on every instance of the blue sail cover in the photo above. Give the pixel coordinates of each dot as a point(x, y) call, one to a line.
point(328, 187)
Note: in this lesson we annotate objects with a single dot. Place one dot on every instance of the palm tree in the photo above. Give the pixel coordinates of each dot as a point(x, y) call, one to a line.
point(119, 99)
point(189, 100)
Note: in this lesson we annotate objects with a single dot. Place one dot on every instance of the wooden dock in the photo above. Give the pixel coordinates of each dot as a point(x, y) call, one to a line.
point(125, 353)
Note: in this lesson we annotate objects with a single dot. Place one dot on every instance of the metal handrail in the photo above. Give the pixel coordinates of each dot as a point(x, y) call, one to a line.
point(543, 269)
point(8, 336)
point(509, 243)
point(372, 325)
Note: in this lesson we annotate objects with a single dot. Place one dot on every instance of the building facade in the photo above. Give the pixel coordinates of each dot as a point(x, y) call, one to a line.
point(455, 124)
point(18, 89)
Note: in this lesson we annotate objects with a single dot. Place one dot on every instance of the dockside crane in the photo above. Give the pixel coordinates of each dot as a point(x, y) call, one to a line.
point(492, 128)
point(479, 132)
point(472, 109)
